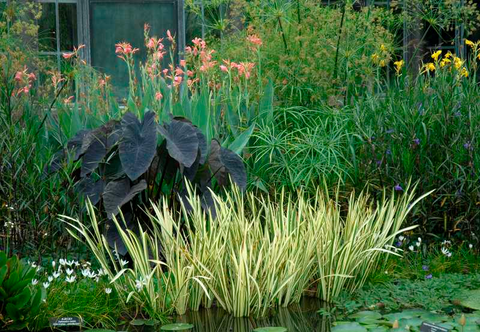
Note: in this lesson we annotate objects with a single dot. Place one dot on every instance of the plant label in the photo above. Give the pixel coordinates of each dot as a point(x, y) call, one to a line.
point(429, 327)
point(66, 321)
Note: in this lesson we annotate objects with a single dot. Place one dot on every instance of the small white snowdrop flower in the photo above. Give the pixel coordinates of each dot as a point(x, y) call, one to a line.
point(97, 279)
point(446, 252)
point(46, 284)
point(50, 278)
point(446, 242)
point(77, 264)
point(34, 282)
point(62, 262)
point(53, 264)
point(70, 263)
point(140, 283)
point(418, 244)
point(401, 238)
point(411, 248)
point(92, 275)
point(86, 272)
point(470, 246)
point(69, 271)
point(70, 279)
point(34, 265)
point(100, 272)
point(56, 274)
point(108, 290)
point(123, 263)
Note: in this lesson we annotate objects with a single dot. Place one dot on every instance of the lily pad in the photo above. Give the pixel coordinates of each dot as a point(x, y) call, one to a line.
point(366, 314)
point(471, 299)
point(271, 329)
point(176, 327)
point(348, 326)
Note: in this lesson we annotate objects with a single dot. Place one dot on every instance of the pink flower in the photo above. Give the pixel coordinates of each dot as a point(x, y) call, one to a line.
point(255, 40)
point(125, 49)
point(177, 80)
point(158, 96)
point(178, 71)
point(19, 76)
point(68, 100)
point(223, 68)
point(68, 55)
point(165, 71)
point(183, 63)
point(170, 37)
point(32, 77)
point(152, 43)
point(189, 73)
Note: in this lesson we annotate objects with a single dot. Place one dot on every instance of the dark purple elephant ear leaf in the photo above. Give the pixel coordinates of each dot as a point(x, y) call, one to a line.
point(138, 145)
point(182, 141)
point(118, 193)
point(225, 163)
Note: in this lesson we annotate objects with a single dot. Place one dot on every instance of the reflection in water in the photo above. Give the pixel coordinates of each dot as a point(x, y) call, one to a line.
point(300, 317)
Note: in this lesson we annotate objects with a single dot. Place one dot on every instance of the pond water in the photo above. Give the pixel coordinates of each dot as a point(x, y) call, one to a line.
point(300, 317)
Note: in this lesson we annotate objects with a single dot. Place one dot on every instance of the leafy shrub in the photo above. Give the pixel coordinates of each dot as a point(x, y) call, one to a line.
point(19, 301)
point(311, 55)
point(122, 160)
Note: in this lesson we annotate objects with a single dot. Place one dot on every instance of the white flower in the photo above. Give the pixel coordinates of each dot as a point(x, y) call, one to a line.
point(34, 282)
point(46, 284)
point(446, 252)
point(92, 274)
point(57, 274)
point(86, 272)
point(100, 272)
point(69, 271)
point(62, 262)
point(70, 279)
point(50, 278)
point(97, 279)
point(34, 265)
point(446, 242)
point(470, 246)
point(108, 290)
point(401, 237)
point(411, 248)
point(77, 264)
point(70, 263)
point(123, 263)
point(53, 264)
point(420, 240)
point(140, 283)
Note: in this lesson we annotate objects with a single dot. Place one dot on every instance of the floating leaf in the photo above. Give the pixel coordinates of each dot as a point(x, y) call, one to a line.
point(176, 327)
point(271, 329)
point(366, 314)
point(348, 326)
point(138, 145)
point(471, 299)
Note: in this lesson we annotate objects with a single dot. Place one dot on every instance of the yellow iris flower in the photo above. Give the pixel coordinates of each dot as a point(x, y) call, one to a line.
point(436, 55)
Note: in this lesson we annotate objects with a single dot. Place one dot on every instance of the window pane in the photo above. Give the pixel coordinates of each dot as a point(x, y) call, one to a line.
point(68, 26)
point(114, 22)
point(46, 31)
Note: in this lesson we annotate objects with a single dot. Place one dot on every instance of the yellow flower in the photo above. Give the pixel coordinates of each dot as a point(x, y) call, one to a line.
point(469, 43)
point(448, 55)
point(445, 61)
point(436, 55)
point(457, 62)
point(382, 63)
point(464, 72)
point(383, 48)
point(398, 66)
point(375, 57)
point(430, 66)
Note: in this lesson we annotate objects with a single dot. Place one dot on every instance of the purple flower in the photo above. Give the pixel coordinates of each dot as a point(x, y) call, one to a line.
point(416, 141)
point(425, 267)
point(398, 188)
point(389, 152)
point(428, 276)
point(379, 162)
point(398, 244)
point(468, 145)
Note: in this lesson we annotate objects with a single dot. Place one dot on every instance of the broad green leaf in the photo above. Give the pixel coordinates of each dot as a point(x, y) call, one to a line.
point(176, 327)
point(241, 141)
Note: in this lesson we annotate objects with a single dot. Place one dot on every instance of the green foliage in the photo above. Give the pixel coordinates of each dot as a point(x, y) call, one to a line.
point(312, 56)
point(19, 300)
point(436, 294)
